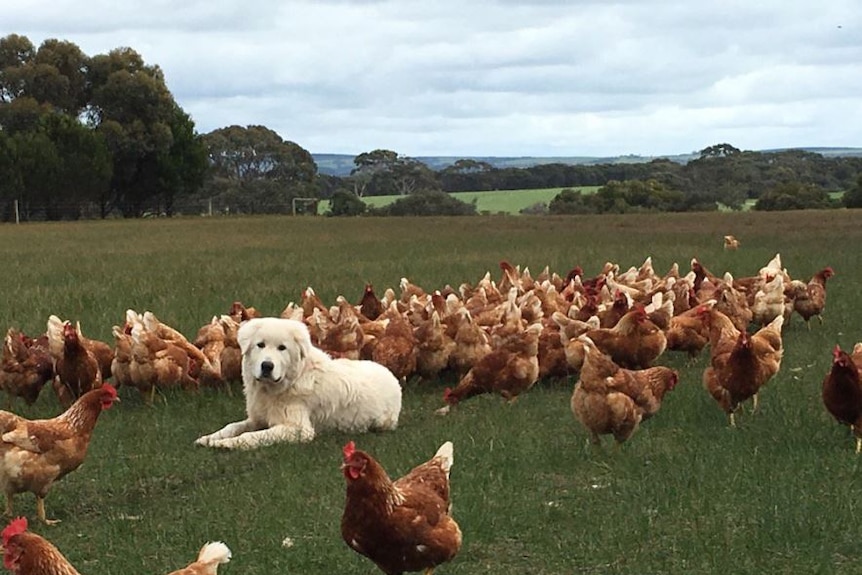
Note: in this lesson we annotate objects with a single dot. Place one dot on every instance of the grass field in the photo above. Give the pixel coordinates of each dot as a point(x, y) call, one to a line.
point(779, 494)
point(493, 202)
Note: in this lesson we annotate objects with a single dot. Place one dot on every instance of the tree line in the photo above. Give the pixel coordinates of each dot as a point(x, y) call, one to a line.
point(102, 136)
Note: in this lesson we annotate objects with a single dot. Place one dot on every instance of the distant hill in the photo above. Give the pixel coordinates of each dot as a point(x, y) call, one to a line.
point(342, 164)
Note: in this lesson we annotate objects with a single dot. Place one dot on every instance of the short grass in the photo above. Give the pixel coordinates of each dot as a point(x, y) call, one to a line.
point(491, 202)
point(779, 494)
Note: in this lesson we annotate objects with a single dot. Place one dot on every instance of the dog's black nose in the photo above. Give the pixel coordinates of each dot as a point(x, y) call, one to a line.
point(266, 367)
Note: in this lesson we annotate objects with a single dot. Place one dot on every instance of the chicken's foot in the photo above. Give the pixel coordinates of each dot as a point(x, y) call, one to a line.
point(40, 512)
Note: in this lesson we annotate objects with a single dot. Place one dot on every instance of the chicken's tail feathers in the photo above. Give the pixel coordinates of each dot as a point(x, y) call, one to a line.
point(446, 453)
point(776, 324)
point(214, 552)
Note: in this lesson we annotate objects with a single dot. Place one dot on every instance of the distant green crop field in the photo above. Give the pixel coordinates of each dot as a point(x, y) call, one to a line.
point(497, 201)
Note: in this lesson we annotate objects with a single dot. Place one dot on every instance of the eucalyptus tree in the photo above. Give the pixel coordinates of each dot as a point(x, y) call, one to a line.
point(256, 170)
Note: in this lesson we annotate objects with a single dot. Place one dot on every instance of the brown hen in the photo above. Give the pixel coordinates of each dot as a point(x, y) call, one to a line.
point(401, 525)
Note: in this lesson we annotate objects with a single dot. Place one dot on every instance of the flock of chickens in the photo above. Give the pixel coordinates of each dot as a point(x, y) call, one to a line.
point(496, 336)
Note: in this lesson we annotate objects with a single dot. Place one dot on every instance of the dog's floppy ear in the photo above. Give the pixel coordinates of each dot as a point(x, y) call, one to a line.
point(245, 334)
point(302, 337)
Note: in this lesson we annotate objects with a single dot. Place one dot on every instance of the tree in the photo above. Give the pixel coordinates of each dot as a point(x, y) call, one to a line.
point(467, 174)
point(384, 173)
point(719, 151)
point(183, 166)
point(409, 175)
point(254, 168)
point(367, 165)
point(133, 110)
point(84, 167)
point(15, 53)
point(853, 197)
point(794, 196)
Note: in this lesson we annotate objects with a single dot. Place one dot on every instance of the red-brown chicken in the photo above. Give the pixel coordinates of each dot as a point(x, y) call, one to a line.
point(25, 369)
point(396, 348)
point(209, 558)
point(36, 453)
point(239, 313)
point(509, 370)
point(740, 366)
point(157, 363)
point(689, 331)
point(608, 399)
point(842, 393)
point(434, 347)
point(77, 367)
point(634, 342)
point(26, 553)
point(121, 366)
point(812, 300)
point(370, 305)
point(472, 343)
point(401, 525)
point(103, 352)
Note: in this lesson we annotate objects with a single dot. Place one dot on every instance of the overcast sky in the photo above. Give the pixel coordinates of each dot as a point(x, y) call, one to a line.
point(492, 78)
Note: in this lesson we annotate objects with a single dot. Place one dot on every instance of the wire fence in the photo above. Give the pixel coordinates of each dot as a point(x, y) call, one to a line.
point(16, 212)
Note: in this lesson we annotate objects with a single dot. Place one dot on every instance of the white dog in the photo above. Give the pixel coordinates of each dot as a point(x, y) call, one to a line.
point(292, 389)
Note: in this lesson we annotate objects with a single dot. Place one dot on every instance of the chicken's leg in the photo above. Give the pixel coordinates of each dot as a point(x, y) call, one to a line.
point(151, 396)
point(858, 445)
point(754, 401)
point(9, 505)
point(40, 512)
point(732, 420)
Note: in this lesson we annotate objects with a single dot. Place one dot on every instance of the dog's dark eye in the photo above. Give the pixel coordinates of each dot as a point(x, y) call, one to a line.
point(282, 347)
point(261, 345)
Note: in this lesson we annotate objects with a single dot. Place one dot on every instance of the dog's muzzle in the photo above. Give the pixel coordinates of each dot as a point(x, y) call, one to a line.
point(267, 373)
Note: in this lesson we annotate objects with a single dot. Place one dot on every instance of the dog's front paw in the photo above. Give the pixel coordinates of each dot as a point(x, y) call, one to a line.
point(230, 443)
point(204, 440)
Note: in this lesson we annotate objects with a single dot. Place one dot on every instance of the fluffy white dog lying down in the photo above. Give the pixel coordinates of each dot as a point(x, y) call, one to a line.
point(293, 390)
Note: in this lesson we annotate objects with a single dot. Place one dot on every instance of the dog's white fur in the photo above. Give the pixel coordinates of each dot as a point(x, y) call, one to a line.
point(306, 390)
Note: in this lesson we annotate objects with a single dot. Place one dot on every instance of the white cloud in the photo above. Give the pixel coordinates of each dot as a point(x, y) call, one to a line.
point(493, 77)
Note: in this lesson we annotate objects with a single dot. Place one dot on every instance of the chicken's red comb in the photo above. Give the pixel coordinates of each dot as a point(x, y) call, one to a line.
point(349, 449)
point(16, 526)
point(836, 352)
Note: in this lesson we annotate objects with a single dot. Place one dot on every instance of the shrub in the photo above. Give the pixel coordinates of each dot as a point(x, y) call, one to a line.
point(794, 196)
point(427, 203)
point(344, 203)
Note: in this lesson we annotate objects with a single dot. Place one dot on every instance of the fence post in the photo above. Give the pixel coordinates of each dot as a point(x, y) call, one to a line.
point(17, 215)
point(210, 210)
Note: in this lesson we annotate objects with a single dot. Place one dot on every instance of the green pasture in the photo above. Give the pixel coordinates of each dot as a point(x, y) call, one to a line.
point(492, 202)
point(685, 495)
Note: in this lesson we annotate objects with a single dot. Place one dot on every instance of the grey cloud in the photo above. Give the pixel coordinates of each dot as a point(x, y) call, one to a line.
point(489, 77)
